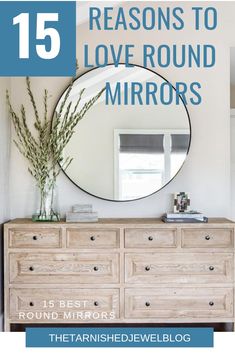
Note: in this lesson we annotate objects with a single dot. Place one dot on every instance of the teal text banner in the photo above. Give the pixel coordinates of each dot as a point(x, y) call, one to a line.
point(119, 337)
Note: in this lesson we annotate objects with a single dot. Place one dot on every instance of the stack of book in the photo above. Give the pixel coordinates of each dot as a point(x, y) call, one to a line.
point(184, 217)
point(82, 213)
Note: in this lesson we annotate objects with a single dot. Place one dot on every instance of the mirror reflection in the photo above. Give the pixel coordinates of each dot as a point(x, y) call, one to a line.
point(125, 152)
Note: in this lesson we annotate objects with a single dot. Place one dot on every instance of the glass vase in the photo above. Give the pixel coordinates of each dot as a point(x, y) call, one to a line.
point(47, 210)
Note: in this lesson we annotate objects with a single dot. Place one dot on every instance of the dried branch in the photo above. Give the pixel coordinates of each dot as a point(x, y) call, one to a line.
point(43, 148)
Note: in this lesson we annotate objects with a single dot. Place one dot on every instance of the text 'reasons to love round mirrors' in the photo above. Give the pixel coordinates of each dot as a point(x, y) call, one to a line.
point(134, 139)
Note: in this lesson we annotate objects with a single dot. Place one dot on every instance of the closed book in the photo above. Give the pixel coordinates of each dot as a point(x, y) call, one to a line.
point(184, 220)
point(82, 208)
point(185, 215)
point(82, 217)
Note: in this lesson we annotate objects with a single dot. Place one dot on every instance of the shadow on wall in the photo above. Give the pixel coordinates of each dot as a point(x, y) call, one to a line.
point(4, 176)
point(232, 78)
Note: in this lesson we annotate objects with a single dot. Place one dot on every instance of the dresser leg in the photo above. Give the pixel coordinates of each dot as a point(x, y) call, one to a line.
point(229, 326)
point(7, 326)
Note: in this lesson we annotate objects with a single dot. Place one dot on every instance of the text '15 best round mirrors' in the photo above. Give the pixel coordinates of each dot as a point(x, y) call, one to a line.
point(126, 147)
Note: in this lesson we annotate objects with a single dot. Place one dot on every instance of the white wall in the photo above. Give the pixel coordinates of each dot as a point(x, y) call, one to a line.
point(4, 149)
point(206, 173)
point(4, 176)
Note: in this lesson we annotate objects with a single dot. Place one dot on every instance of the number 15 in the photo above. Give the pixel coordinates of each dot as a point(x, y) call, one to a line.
point(41, 33)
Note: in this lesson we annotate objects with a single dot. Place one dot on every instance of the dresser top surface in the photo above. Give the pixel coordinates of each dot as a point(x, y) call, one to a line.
point(119, 221)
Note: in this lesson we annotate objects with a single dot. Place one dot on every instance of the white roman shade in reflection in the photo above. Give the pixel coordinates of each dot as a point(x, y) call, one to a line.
point(141, 143)
point(179, 143)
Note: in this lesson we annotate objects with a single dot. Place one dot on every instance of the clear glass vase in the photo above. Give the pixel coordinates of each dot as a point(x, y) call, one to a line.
point(47, 210)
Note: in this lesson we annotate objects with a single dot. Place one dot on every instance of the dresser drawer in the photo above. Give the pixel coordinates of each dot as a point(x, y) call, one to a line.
point(207, 238)
point(92, 238)
point(64, 268)
point(179, 303)
point(68, 305)
point(178, 268)
point(150, 238)
point(35, 238)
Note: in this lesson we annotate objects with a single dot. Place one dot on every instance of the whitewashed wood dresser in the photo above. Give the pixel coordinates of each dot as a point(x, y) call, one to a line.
point(119, 271)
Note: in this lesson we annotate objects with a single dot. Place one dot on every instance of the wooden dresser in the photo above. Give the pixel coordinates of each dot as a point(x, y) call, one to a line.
point(119, 271)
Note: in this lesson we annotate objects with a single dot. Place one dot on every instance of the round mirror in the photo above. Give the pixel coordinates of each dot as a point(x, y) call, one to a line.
point(132, 141)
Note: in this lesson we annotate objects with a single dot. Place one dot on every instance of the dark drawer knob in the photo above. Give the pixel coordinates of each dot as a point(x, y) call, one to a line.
point(207, 237)
point(31, 268)
point(211, 268)
point(95, 268)
point(150, 238)
point(147, 304)
point(35, 237)
point(92, 238)
point(211, 303)
point(147, 268)
point(96, 303)
point(31, 304)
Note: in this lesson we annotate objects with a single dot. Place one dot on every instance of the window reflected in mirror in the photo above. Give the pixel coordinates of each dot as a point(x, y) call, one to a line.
point(145, 160)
